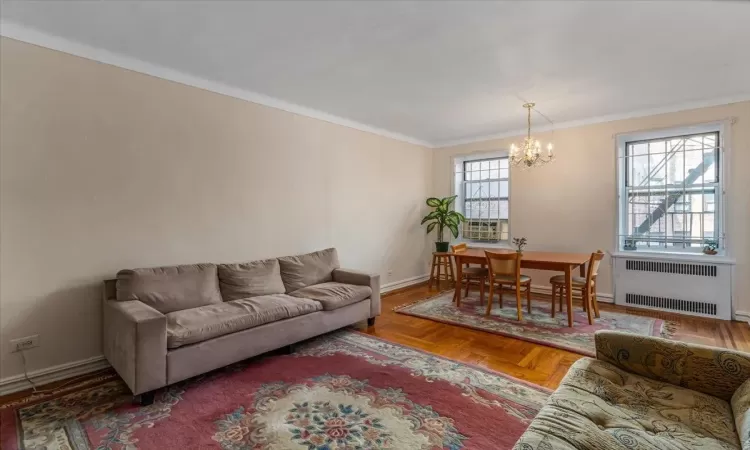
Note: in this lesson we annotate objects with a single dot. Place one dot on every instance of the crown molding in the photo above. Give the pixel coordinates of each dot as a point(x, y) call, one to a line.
point(600, 119)
point(25, 34)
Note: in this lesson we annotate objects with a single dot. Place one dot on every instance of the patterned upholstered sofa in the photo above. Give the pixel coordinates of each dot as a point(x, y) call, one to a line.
point(647, 393)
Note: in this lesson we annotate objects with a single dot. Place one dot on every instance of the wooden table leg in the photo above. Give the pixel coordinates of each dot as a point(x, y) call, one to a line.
point(459, 280)
point(582, 270)
point(569, 293)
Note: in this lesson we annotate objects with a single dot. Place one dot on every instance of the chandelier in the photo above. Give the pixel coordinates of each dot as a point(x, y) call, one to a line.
point(529, 154)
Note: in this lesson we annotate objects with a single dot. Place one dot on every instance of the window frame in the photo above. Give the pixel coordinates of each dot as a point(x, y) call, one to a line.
point(459, 190)
point(621, 166)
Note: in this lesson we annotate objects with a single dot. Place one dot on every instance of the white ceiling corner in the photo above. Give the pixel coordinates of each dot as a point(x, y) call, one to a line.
point(433, 73)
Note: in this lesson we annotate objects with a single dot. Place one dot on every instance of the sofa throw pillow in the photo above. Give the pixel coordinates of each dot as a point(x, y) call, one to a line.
point(173, 288)
point(250, 279)
point(305, 270)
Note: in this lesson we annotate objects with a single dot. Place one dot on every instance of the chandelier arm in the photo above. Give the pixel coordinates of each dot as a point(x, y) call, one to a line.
point(529, 154)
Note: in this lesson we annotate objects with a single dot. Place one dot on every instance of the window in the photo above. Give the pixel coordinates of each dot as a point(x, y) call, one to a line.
point(482, 189)
point(670, 190)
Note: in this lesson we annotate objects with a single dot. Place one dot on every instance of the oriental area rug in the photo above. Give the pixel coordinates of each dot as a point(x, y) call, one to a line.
point(538, 327)
point(345, 390)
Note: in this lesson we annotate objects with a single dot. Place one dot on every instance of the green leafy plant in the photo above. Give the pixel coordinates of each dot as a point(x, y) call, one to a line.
point(443, 217)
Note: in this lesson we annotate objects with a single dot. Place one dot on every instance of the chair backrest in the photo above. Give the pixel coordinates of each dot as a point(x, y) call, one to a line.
point(505, 263)
point(459, 247)
point(594, 263)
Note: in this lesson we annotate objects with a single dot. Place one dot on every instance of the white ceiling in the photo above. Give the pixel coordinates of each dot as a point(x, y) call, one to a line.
point(434, 72)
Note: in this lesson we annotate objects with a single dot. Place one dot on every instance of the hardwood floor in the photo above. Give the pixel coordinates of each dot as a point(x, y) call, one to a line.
point(535, 363)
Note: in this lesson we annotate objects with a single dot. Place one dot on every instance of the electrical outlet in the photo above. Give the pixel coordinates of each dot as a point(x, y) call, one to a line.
point(25, 343)
point(390, 272)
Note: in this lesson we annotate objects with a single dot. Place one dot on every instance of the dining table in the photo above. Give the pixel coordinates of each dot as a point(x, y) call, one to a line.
point(552, 261)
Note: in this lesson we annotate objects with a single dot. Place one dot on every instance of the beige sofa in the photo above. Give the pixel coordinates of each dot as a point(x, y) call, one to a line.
point(163, 325)
point(647, 393)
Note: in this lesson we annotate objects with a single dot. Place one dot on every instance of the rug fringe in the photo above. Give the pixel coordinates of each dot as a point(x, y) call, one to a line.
point(416, 302)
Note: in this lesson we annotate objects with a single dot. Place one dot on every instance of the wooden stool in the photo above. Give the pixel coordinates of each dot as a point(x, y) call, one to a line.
point(441, 259)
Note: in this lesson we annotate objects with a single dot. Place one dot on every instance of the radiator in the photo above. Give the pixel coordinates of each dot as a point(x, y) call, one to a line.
point(664, 283)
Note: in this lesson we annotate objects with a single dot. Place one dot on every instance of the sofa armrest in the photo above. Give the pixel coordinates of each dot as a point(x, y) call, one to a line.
point(135, 344)
point(362, 279)
point(710, 370)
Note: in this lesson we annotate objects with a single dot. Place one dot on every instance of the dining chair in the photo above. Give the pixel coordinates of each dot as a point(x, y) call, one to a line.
point(471, 275)
point(587, 286)
point(505, 269)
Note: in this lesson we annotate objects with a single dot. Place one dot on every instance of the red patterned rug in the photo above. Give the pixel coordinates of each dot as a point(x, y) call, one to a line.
point(538, 327)
point(346, 390)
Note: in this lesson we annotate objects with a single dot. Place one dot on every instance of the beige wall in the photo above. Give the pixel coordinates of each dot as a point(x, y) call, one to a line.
point(570, 205)
point(104, 168)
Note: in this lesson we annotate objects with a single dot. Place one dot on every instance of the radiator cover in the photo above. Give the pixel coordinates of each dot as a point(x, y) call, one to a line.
point(698, 286)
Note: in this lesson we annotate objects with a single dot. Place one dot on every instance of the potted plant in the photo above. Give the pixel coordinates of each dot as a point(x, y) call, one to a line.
point(442, 217)
point(710, 247)
point(520, 243)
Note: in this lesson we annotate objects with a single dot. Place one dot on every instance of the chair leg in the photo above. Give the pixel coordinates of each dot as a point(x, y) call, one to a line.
point(518, 302)
point(583, 301)
point(468, 282)
point(587, 299)
point(489, 298)
point(528, 296)
point(554, 306)
point(561, 298)
point(481, 290)
point(595, 302)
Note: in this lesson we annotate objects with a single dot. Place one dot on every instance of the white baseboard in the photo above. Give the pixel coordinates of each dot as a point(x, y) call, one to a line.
point(388, 287)
point(40, 377)
point(602, 297)
point(743, 316)
point(17, 383)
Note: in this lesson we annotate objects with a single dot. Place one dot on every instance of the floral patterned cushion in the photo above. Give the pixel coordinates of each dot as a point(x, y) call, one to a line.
point(741, 408)
point(714, 371)
point(600, 406)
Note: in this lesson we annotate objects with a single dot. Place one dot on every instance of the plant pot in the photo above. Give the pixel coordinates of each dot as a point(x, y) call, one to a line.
point(442, 246)
point(710, 252)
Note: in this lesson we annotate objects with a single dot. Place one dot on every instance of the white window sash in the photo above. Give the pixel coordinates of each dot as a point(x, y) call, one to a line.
point(623, 191)
point(458, 188)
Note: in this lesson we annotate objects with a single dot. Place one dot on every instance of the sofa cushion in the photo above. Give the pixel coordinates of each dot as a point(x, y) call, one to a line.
point(598, 405)
point(172, 288)
point(250, 279)
point(334, 295)
point(741, 409)
point(199, 324)
point(305, 270)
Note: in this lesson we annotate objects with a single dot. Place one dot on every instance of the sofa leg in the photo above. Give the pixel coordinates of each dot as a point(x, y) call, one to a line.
point(145, 399)
point(287, 350)
point(370, 321)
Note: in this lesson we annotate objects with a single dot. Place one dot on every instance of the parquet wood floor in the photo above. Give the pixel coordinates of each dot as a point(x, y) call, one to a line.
point(535, 363)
